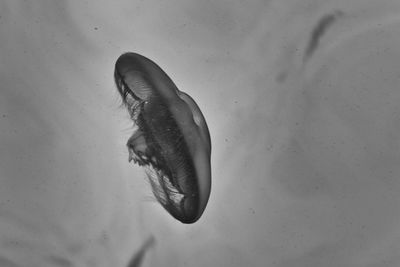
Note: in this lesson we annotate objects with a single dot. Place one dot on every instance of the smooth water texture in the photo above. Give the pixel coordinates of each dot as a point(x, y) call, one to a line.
point(304, 152)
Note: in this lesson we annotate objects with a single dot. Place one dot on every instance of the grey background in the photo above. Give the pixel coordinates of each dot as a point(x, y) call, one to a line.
point(305, 154)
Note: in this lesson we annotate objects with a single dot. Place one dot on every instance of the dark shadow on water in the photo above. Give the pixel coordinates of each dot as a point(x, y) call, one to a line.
point(138, 258)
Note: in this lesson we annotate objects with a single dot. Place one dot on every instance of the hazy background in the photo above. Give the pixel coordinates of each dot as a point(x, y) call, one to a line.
point(305, 153)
